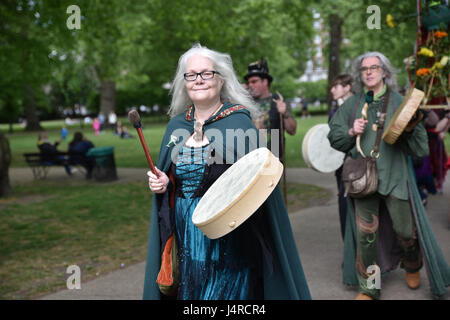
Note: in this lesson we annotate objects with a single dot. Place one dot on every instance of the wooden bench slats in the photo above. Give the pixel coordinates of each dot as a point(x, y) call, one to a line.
point(41, 167)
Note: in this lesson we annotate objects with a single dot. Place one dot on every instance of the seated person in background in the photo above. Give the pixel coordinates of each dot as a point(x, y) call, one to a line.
point(49, 152)
point(78, 148)
point(124, 133)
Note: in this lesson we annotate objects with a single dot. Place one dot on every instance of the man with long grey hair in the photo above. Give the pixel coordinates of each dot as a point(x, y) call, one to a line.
point(389, 72)
point(381, 229)
point(232, 90)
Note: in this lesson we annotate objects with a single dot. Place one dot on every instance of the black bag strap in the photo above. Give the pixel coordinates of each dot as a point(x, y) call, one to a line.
point(352, 118)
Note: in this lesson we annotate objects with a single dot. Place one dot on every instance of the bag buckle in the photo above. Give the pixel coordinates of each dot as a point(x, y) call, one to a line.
point(376, 153)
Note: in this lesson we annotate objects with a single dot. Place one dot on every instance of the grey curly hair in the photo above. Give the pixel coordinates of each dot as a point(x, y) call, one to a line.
point(390, 80)
point(232, 90)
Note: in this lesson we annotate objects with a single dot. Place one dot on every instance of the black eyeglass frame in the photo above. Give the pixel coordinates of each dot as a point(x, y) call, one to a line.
point(199, 74)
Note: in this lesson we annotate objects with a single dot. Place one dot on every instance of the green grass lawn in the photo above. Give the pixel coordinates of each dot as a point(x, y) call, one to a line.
point(128, 152)
point(46, 226)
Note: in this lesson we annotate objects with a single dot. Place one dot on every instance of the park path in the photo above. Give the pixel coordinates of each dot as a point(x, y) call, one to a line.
point(317, 235)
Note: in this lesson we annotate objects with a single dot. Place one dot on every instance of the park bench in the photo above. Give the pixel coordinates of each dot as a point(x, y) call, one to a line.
point(40, 166)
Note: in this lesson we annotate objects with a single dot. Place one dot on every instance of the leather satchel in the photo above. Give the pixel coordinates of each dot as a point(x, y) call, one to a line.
point(360, 176)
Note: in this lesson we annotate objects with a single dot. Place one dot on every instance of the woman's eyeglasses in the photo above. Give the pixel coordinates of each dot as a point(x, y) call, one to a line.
point(205, 75)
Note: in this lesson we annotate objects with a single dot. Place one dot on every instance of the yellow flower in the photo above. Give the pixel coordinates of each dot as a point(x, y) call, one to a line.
point(436, 66)
point(444, 60)
point(425, 52)
point(390, 20)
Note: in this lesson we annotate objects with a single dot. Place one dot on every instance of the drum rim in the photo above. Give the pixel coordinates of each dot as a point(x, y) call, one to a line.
point(305, 140)
point(243, 193)
point(389, 135)
point(307, 158)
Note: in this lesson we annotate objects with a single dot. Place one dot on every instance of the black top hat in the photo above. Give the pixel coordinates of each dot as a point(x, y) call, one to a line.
point(258, 68)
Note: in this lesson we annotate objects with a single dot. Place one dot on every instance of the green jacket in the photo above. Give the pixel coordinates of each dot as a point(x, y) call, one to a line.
point(396, 176)
point(392, 165)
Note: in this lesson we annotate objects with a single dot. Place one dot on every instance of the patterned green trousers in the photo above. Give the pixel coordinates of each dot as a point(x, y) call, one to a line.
point(366, 214)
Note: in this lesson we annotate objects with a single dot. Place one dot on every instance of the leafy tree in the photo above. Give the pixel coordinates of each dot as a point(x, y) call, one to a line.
point(278, 30)
point(28, 28)
point(347, 19)
point(313, 91)
point(135, 47)
point(396, 43)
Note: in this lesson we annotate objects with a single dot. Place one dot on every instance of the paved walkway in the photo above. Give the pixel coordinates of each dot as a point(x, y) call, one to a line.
point(317, 235)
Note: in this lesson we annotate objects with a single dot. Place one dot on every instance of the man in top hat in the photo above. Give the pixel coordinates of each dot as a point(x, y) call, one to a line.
point(274, 112)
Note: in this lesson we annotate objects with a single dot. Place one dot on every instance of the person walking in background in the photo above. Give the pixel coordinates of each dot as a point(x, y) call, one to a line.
point(438, 154)
point(112, 119)
point(101, 119)
point(118, 129)
point(305, 112)
point(96, 126)
point(275, 113)
point(64, 132)
point(341, 89)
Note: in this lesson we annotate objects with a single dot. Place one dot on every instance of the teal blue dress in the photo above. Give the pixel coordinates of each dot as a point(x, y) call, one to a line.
point(207, 265)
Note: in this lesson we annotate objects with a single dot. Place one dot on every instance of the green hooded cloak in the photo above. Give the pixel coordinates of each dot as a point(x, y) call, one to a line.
point(284, 277)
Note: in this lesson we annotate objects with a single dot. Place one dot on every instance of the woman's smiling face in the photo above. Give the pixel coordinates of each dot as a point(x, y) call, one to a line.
point(203, 91)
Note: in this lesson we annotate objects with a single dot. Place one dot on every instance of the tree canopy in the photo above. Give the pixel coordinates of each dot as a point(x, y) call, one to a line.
point(123, 53)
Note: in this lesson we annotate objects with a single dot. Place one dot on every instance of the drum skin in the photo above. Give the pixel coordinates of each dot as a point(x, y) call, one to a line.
point(403, 115)
point(317, 151)
point(226, 205)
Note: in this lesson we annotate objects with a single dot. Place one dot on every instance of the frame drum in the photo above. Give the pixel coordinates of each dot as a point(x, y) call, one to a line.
point(317, 151)
point(403, 115)
point(237, 193)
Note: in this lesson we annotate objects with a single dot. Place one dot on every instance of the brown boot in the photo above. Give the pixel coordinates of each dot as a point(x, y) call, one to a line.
point(363, 296)
point(413, 279)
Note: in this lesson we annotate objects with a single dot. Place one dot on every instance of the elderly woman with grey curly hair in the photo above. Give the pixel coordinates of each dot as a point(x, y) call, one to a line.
point(259, 259)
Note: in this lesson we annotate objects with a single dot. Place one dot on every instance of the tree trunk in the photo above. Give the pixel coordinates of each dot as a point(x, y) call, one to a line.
point(5, 161)
point(107, 97)
point(30, 110)
point(335, 23)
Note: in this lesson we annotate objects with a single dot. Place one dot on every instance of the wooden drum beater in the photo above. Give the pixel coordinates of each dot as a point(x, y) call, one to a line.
point(135, 120)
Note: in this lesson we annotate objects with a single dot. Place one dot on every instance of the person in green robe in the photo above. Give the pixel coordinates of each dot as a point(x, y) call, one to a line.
point(210, 128)
point(390, 226)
